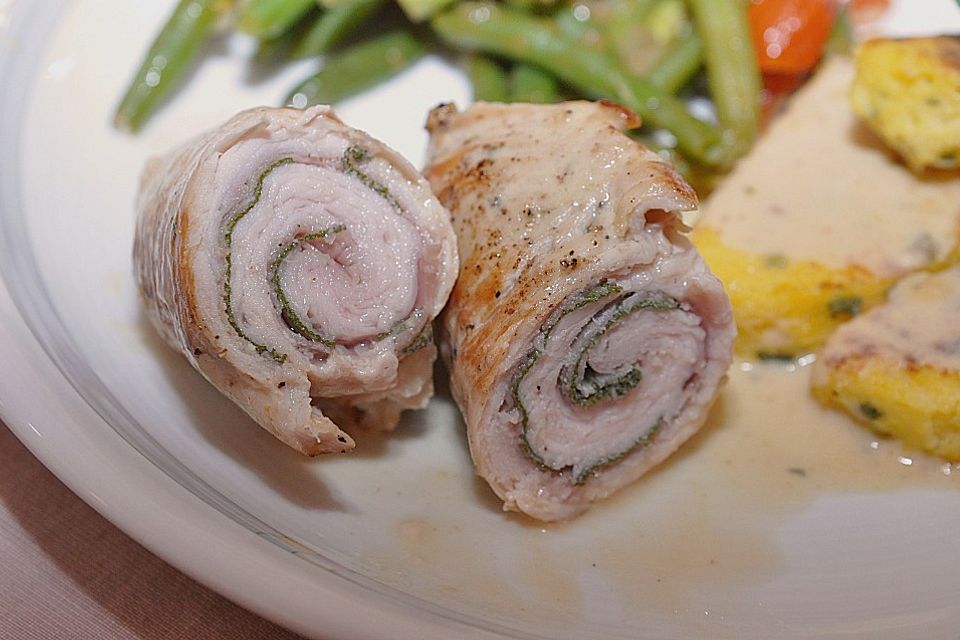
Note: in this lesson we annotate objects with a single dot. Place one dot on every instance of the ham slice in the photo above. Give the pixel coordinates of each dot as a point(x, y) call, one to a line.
point(585, 336)
point(297, 263)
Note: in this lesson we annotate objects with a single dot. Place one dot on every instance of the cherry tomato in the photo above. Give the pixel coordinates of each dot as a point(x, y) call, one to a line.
point(789, 34)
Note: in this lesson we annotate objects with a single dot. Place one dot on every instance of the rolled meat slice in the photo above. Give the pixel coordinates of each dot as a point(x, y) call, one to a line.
point(297, 263)
point(586, 338)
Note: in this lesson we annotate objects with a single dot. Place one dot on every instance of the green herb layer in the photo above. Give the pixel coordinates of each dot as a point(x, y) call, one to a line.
point(352, 158)
point(227, 291)
point(580, 385)
point(286, 309)
point(584, 387)
point(350, 163)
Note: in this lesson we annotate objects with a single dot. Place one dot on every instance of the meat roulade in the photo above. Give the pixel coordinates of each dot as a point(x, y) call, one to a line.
point(297, 263)
point(586, 337)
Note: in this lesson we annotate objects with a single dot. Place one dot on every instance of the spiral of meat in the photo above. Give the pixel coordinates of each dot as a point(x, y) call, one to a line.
point(297, 263)
point(586, 337)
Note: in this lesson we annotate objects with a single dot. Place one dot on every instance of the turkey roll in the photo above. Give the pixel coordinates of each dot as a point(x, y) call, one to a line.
point(297, 263)
point(586, 337)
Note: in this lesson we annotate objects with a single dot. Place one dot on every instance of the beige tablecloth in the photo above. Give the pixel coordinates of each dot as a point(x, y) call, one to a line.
point(66, 572)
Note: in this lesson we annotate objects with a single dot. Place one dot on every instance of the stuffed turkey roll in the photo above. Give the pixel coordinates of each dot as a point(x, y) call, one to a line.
point(297, 263)
point(586, 337)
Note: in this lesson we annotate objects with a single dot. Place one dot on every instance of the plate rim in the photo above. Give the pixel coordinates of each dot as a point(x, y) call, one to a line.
point(222, 554)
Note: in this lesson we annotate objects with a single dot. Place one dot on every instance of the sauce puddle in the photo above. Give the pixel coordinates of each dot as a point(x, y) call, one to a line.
point(693, 541)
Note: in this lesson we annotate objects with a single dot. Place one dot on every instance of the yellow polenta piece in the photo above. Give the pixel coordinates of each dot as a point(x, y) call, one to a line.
point(896, 369)
point(819, 220)
point(785, 308)
point(908, 91)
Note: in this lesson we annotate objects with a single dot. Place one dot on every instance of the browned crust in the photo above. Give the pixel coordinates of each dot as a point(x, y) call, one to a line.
point(484, 309)
point(631, 119)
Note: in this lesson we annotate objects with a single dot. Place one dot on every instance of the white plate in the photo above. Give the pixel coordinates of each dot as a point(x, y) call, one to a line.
point(399, 540)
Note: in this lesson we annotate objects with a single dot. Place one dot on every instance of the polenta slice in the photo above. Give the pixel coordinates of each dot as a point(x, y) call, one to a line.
point(818, 221)
point(908, 91)
point(896, 368)
point(785, 308)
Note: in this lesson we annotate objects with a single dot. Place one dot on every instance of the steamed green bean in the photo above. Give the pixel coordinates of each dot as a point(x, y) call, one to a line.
point(639, 53)
point(359, 67)
point(484, 26)
point(530, 84)
point(280, 49)
point(268, 19)
point(732, 71)
point(488, 79)
point(420, 10)
point(333, 26)
point(168, 57)
point(678, 64)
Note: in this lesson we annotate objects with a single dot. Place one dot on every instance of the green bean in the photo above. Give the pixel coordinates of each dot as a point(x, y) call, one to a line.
point(531, 5)
point(357, 68)
point(625, 32)
point(487, 78)
point(678, 64)
point(268, 19)
point(484, 26)
point(281, 48)
point(168, 57)
point(732, 72)
point(333, 26)
point(420, 10)
point(531, 84)
point(573, 21)
point(667, 19)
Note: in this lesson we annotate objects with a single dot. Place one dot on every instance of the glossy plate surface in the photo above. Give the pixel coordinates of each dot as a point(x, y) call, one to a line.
point(397, 540)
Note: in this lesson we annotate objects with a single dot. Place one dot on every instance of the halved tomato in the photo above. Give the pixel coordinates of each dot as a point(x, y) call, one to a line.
point(790, 34)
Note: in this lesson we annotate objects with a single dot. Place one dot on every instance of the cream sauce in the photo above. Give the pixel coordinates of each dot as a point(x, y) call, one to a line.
point(819, 186)
point(920, 322)
point(707, 521)
point(711, 520)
